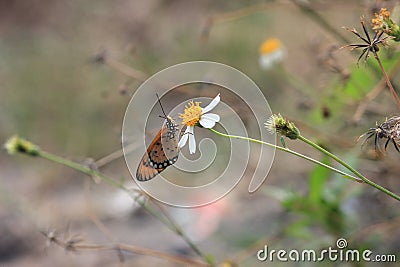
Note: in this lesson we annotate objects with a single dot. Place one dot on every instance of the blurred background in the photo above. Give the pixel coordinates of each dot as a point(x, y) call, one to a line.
point(69, 68)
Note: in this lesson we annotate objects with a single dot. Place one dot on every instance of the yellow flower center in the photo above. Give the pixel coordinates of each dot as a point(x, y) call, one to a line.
point(192, 114)
point(384, 13)
point(380, 22)
point(270, 45)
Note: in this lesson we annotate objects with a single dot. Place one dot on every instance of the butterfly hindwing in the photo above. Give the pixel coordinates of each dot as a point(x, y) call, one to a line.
point(162, 152)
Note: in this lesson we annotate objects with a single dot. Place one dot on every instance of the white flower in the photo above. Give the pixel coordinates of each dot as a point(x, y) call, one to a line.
point(271, 52)
point(193, 115)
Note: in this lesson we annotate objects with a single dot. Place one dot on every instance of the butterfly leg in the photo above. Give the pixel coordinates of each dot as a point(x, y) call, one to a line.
point(395, 145)
point(387, 142)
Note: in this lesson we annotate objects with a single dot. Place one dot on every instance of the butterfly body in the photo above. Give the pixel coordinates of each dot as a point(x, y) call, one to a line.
point(162, 152)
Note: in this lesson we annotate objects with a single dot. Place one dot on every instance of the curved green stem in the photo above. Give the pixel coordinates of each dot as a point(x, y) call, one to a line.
point(360, 178)
point(81, 168)
point(347, 166)
point(285, 149)
point(15, 144)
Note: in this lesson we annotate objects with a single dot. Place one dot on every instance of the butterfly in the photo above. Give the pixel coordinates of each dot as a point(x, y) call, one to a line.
point(162, 152)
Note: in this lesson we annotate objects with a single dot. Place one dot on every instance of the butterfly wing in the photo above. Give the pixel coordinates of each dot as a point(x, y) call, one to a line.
point(162, 152)
point(146, 169)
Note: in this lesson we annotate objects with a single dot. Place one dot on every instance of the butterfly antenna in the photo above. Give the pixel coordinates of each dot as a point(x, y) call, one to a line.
point(159, 101)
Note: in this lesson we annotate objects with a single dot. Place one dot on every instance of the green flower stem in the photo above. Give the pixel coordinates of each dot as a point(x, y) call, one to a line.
point(16, 144)
point(285, 149)
point(347, 166)
point(82, 168)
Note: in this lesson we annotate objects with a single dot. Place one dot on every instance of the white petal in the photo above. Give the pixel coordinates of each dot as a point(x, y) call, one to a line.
point(184, 138)
point(265, 62)
point(190, 130)
point(268, 60)
point(206, 123)
point(212, 105)
point(209, 120)
point(211, 116)
point(192, 144)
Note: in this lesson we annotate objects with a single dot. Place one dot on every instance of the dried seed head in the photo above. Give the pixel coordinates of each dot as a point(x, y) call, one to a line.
point(369, 44)
point(388, 130)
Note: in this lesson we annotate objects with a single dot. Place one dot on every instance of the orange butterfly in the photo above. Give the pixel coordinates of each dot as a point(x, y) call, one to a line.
point(162, 152)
